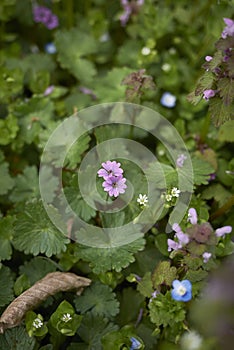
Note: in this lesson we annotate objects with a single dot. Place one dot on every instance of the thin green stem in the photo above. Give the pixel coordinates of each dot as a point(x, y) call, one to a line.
point(69, 13)
point(223, 209)
point(205, 128)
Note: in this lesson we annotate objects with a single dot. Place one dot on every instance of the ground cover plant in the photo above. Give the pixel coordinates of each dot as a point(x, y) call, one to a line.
point(116, 174)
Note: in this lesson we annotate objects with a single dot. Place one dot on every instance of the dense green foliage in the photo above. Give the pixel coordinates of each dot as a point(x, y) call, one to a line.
point(96, 60)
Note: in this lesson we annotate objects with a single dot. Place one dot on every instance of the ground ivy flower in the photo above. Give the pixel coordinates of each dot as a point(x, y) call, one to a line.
point(175, 192)
point(114, 185)
point(168, 100)
point(110, 169)
point(142, 199)
point(66, 317)
point(229, 29)
point(37, 323)
point(182, 290)
point(208, 58)
point(223, 231)
point(206, 257)
point(49, 90)
point(135, 344)
point(180, 160)
point(207, 94)
point(42, 14)
point(192, 216)
point(172, 245)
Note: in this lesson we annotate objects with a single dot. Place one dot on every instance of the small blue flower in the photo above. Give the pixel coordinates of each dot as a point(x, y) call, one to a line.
point(182, 290)
point(135, 344)
point(168, 100)
point(50, 48)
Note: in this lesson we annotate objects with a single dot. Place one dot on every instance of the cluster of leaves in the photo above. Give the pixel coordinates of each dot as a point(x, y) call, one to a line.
point(97, 61)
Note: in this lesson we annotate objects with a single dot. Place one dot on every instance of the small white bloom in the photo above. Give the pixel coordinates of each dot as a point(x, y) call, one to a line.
point(142, 199)
point(168, 197)
point(206, 256)
point(66, 317)
point(37, 323)
point(191, 341)
point(145, 51)
point(175, 192)
point(166, 67)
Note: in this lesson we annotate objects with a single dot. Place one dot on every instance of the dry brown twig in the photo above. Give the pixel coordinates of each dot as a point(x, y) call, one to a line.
point(51, 284)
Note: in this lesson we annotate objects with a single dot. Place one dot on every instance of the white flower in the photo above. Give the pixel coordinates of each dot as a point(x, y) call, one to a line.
point(166, 67)
point(142, 199)
point(168, 100)
point(66, 317)
point(191, 341)
point(145, 51)
point(37, 323)
point(175, 192)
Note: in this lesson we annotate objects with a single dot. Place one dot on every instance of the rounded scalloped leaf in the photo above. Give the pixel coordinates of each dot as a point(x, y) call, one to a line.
point(100, 299)
point(35, 233)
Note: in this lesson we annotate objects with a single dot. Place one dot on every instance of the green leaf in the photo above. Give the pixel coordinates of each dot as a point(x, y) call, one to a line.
point(35, 233)
point(204, 83)
point(196, 276)
point(121, 339)
point(17, 339)
point(164, 311)
point(106, 259)
point(220, 112)
point(6, 282)
point(99, 299)
point(21, 284)
point(26, 185)
point(6, 181)
point(131, 302)
point(6, 235)
point(218, 192)
point(164, 274)
point(201, 171)
point(226, 90)
point(9, 128)
point(145, 285)
point(65, 320)
point(226, 131)
point(93, 328)
point(72, 46)
point(74, 155)
point(36, 268)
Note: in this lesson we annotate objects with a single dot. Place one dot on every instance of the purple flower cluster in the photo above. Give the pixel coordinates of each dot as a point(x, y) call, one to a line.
point(114, 182)
point(229, 29)
point(199, 233)
point(42, 14)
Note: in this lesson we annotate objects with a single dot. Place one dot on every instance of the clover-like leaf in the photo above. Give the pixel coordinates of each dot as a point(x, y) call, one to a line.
point(99, 299)
point(35, 233)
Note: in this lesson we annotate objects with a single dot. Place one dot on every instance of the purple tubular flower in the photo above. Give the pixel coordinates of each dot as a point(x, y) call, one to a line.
point(173, 245)
point(192, 216)
point(49, 90)
point(207, 94)
point(110, 169)
point(223, 231)
point(229, 29)
point(180, 160)
point(182, 237)
point(115, 185)
point(208, 58)
point(182, 290)
point(206, 256)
